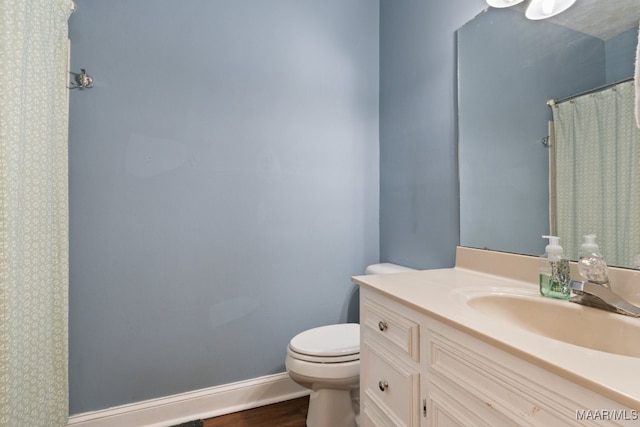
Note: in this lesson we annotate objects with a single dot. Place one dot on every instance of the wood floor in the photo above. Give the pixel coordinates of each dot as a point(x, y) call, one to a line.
point(292, 413)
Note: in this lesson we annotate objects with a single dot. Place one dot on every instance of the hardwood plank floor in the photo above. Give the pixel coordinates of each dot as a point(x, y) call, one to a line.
point(292, 413)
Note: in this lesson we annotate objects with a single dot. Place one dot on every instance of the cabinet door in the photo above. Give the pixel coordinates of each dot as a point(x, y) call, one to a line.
point(449, 406)
point(444, 412)
point(470, 382)
point(391, 386)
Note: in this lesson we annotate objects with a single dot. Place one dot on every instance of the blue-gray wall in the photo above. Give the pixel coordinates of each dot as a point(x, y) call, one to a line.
point(223, 187)
point(224, 177)
point(418, 172)
point(620, 52)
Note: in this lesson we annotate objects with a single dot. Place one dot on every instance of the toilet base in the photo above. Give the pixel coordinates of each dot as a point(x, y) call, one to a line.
point(331, 408)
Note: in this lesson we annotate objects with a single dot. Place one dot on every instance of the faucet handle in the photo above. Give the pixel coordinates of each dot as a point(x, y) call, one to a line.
point(576, 284)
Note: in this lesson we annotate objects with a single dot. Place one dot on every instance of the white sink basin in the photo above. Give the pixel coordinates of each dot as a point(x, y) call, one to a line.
point(557, 319)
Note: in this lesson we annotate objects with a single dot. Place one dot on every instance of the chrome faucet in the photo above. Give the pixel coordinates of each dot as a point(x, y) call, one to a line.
point(598, 296)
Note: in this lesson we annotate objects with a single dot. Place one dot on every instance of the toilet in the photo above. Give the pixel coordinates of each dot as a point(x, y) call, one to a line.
point(326, 360)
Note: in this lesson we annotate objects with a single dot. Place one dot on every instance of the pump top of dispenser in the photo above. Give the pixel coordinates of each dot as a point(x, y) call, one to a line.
point(553, 249)
point(589, 245)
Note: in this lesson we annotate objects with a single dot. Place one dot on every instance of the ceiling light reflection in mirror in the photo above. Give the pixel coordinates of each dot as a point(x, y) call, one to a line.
point(537, 9)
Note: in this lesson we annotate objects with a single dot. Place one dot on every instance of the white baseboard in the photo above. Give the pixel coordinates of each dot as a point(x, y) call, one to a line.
point(195, 405)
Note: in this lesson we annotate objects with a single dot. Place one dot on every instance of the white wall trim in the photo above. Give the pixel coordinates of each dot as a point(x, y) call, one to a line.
point(195, 405)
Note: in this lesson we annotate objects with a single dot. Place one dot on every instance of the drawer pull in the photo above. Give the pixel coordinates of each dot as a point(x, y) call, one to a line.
point(383, 385)
point(382, 326)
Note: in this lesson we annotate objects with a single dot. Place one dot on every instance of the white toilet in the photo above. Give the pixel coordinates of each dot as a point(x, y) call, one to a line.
point(327, 361)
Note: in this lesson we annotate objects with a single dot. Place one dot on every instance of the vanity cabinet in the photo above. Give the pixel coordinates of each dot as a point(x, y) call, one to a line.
point(419, 371)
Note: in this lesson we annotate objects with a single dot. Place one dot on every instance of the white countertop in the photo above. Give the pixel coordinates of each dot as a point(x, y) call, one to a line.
point(432, 292)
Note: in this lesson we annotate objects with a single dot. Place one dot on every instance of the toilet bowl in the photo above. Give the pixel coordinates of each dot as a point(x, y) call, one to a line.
point(326, 360)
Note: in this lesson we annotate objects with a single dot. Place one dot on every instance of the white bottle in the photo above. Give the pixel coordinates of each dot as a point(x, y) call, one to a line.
point(554, 271)
point(592, 265)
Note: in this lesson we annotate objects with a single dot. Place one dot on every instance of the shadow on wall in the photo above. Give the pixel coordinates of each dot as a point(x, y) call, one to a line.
point(353, 306)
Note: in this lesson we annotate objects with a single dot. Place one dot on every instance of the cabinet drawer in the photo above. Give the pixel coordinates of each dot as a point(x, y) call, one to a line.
point(372, 416)
point(392, 386)
point(392, 327)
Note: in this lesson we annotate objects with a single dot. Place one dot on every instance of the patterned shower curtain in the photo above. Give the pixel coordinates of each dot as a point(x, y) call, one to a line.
point(33, 212)
point(598, 173)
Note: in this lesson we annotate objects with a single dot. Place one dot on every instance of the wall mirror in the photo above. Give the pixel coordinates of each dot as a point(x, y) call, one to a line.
point(508, 68)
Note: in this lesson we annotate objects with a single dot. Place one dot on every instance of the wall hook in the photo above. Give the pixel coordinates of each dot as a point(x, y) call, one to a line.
point(546, 141)
point(82, 80)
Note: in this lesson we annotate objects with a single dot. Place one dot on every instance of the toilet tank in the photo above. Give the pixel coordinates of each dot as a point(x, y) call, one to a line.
point(386, 268)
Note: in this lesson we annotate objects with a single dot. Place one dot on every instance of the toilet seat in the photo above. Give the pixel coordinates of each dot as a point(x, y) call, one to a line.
point(322, 359)
point(327, 344)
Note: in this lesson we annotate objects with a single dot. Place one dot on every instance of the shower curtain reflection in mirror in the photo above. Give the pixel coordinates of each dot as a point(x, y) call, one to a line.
point(34, 270)
point(597, 173)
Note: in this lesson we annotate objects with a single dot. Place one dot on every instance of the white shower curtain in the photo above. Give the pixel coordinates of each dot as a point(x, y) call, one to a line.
point(33, 212)
point(598, 173)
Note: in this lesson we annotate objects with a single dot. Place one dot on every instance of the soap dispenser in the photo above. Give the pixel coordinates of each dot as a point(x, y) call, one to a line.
point(591, 264)
point(554, 271)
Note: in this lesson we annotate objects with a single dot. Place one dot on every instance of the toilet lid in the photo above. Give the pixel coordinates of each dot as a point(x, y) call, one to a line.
point(331, 340)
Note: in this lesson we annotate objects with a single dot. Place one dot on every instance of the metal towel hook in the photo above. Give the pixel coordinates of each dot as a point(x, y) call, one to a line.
point(82, 80)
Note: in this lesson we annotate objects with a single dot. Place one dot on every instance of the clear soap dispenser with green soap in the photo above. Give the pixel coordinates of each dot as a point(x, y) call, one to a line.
point(554, 271)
